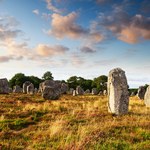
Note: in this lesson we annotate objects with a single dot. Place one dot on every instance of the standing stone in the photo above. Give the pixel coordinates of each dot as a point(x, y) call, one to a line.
point(30, 89)
point(17, 89)
point(4, 87)
point(141, 92)
point(10, 90)
point(147, 97)
point(74, 93)
point(64, 88)
point(27, 83)
point(87, 91)
point(132, 94)
point(105, 92)
point(51, 83)
point(51, 90)
point(79, 90)
point(94, 91)
point(50, 93)
point(35, 90)
point(118, 96)
point(40, 87)
point(70, 91)
point(100, 93)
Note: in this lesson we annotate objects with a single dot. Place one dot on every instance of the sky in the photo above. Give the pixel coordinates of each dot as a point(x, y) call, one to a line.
point(85, 38)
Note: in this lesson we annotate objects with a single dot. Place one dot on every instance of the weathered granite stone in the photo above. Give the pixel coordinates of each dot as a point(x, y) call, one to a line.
point(51, 89)
point(141, 92)
point(71, 91)
point(17, 89)
point(132, 94)
point(30, 89)
point(64, 88)
point(105, 92)
point(25, 86)
point(79, 90)
point(94, 91)
point(74, 93)
point(100, 93)
point(147, 97)
point(118, 96)
point(87, 91)
point(4, 87)
point(51, 83)
point(10, 90)
point(35, 90)
point(50, 93)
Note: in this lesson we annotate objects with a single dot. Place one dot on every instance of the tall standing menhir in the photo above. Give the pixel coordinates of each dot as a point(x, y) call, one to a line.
point(117, 92)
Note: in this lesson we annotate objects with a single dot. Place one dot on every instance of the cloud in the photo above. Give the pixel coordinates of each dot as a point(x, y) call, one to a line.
point(46, 16)
point(49, 51)
point(8, 35)
point(8, 58)
point(8, 29)
point(130, 29)
point(86, 49)
point(19, 49)
point(51, 7)
point(66, 26)
point(36, 11)
point(77, 60)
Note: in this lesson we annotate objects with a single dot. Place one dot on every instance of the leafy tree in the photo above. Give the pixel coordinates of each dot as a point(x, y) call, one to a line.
point(20, 78)
point(72, 82)
point(35, 80)
point(17, 79)
point(47, 76)
point(88, 84)
point(100, 82)
point(133, 90)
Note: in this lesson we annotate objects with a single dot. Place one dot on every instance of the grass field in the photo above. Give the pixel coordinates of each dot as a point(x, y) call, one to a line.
point(71, 123)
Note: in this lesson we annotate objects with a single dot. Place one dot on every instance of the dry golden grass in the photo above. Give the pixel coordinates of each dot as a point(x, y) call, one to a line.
point(71, 123)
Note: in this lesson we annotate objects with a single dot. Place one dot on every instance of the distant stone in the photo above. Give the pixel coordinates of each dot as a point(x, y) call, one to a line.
point(147, 97)
point(27, 83)
point(79, 90)
point(141, 92)
point(94, 91)
point(51, 90)
point(17, 89)
point(87, 91)
point(74, 93)
point(30, 89)
point(100, 93)
point(132, 94)
point(10, 90)
point(35, 90)
point(118, 96)
point(50, 93)
point(70, 91)
point(64, 88)
point(4, 87)
point(51, 83)
point(105, 92)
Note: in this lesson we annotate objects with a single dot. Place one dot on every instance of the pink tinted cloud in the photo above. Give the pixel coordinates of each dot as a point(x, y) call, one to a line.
point(48, 50)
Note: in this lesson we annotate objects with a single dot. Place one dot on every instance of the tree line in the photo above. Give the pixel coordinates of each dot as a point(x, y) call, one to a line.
point(73, 81)
point(99, 82)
